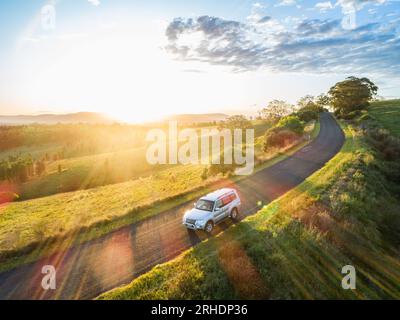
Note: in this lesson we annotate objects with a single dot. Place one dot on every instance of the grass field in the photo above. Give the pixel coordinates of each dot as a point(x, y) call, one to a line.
point(35, 228)
point(91, 170)
point(295, 248)
point(388, 114)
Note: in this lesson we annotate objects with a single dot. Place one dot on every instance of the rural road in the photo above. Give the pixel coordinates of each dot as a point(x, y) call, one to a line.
point(85, 271)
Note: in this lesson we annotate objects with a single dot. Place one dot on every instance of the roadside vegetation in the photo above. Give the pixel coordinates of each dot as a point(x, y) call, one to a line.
point(386, 113)
point(347, 213)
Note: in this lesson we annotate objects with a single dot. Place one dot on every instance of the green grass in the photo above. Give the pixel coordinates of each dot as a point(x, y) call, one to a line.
point(89, 172)
point(388, 114)
point(295, 247)
point(35, 228)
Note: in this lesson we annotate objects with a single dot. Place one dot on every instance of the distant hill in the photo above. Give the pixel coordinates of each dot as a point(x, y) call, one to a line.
point(195, 118)
point(79, 117)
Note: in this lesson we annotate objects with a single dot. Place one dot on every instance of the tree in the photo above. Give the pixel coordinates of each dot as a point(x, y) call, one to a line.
point(236, 122)
point(310, 107)
point(305, 101)
point(275, 110)
point(40, 167)
point(322, 100)
point(351, 95)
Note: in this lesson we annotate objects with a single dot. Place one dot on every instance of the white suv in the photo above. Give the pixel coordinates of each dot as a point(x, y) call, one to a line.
point(212, 209)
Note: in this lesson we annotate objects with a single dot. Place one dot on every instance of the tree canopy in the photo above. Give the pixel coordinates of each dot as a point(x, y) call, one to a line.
point(351, 95)
point(236, 122)
point(275, 110)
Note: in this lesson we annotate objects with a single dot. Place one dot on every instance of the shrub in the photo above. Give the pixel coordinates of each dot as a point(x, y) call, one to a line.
point(350, 115)
point(307, 115)
point(277, 137)
point(386, 144)
point(8, 197)
point(204, 174)
point(309, 112)
point(292, 123)
point(225, 169)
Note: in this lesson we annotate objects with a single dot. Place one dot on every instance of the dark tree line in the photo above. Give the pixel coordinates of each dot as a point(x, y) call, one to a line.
point(20, 169)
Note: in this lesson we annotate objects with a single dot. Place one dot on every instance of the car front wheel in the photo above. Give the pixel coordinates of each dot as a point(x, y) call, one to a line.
point(209, 227)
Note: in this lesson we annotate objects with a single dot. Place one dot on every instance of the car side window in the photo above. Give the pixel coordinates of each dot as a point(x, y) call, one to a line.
point(226, 200)
point(219, 204)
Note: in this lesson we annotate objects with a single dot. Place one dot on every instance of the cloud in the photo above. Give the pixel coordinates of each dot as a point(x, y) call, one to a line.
point(94, 2)
point(348, 5)
point(315, 46)
point(264, 19)
point(257, 13)
point(286, 3)
point(324, 6)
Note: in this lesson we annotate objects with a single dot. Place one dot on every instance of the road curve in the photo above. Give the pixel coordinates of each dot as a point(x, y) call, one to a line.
point(85, 271)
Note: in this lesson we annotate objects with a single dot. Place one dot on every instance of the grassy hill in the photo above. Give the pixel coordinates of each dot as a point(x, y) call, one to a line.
point(33, 228)
point(85, 168)
point(387, 112)
point(347, 213)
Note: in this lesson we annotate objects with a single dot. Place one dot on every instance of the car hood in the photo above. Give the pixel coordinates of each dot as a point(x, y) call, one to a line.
point(196, 214)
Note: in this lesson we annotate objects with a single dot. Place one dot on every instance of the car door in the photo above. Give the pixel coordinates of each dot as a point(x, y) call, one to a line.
point(226, 206)
point(219, 210)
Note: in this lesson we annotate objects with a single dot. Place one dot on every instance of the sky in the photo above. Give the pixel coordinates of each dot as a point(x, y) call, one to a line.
point(142, 60)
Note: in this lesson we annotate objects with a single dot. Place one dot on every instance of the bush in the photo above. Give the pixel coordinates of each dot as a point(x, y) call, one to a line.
point(225, 169)
point(386, 144)
point(307, 115)
point(309, 112)
point(204, 174)
point(278, 138)
point(292, 123)
point(8, 197)
point(350, 115)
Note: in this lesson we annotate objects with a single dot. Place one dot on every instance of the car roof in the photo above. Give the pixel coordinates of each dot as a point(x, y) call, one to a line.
point(217, 194)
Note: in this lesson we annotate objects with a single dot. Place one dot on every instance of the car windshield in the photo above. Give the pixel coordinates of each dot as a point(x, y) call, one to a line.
point(205, 205)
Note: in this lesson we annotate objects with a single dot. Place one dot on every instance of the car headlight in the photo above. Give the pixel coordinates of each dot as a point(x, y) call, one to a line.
point(200, 223)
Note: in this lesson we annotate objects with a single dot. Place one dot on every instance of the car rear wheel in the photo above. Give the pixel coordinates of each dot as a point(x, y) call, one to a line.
point(234, 213)
point(209, 227)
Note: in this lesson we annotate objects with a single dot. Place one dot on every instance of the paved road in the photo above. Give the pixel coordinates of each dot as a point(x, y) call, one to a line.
point(85, 271)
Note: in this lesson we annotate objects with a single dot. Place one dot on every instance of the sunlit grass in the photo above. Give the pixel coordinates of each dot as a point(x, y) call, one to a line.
point(296, 245)
point(35, 228)
point(388, 114)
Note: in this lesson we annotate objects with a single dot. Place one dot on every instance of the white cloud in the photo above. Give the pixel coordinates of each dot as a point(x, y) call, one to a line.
point(94, 2)
point(349, 5)
point(324, 6)
point(286, 3)
point(310, 45)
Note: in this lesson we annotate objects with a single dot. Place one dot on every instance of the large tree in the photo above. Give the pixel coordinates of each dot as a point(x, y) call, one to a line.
point(305, 101)
point(275, 110)
point(236, 122)
point(351, 95)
